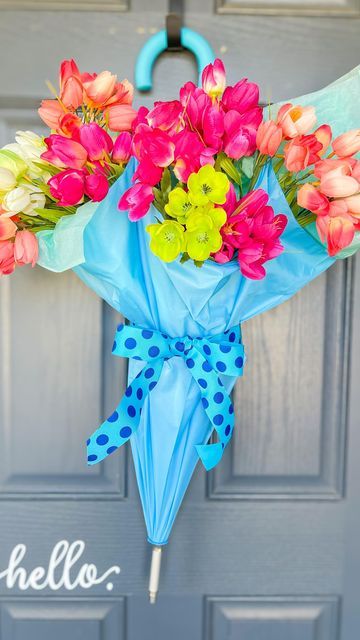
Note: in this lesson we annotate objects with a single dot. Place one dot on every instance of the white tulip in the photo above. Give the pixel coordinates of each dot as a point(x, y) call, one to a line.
point(7, 179)
point(16, 200)
point(31, 144)
point(37, 201)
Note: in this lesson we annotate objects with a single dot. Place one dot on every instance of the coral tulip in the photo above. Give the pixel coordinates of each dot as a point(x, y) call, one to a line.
point(347, 144)
point(26, 248)
point(335, 185)
point(100, 88)
point(120, 117)
point(296, 120)
point(269, 137)
point(8, 228)
point(7, 260)
point(50, 112)
point(311, 199)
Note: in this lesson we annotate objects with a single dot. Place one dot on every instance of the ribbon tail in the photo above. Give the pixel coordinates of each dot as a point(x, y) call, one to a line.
point(210, 454)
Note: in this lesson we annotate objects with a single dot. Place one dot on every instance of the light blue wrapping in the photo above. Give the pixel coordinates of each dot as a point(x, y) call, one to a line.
point(182, 299)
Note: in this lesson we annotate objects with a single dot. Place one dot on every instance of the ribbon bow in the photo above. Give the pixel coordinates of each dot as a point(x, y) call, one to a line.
point(205, 358)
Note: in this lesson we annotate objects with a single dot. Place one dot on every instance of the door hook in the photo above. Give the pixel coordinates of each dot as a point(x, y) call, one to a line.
point(175, 37)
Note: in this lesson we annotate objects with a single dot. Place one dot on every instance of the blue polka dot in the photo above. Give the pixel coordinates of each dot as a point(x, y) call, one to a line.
point(232, 337)
point(164, 336)
point(114, 416)
point(221, 366)
point(239, 362)
point(114, 346)
point(205, 403)
point(147, 334)
point(92, 457)
point(153, 352)
point(128, 392)
point(130, 343)
point(202, 383)
point(125, 432)
point(231, 409)
point(190, 363)
point(136, 358)
point(111, 450)
point(224, 348)
point(139, 394)
point(102, 439)
point(120, 327)
point(131, 411)
point(207, 349)
point(218, 419)
point(206, 366)
point(227, 430)
point(149, 373)
point(88, 442)
point(218, 397)
point(152, 385)
point(180, 346)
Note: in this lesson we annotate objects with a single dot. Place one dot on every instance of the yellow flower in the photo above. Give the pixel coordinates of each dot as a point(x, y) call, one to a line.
point(208, 185)
point(202, 236)
point(179, 205)
point(167, 239)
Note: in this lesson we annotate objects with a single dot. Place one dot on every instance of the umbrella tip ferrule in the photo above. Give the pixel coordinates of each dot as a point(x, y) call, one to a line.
point(154, 574)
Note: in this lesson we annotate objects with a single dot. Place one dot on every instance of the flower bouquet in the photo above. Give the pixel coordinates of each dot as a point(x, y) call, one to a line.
point(188, 219)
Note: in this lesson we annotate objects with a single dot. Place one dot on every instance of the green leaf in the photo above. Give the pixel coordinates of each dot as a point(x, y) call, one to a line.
point(184, 258)
point(165, 184)
point(228, 166)
point(247, 166)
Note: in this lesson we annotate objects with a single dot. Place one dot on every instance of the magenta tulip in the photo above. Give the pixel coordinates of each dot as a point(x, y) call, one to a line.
point(96, 141)
point(68, 187)
point(96, 186)
point(64, 152)
point(137, 201)
point(122, 148)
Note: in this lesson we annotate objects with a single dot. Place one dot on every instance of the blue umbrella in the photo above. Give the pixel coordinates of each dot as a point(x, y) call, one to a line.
point(183, 338)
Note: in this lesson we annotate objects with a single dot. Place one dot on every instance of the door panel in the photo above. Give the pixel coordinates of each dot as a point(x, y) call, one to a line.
point(265, 546)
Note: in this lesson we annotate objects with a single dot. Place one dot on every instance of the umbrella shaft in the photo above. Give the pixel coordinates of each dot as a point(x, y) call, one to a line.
point(154, 574)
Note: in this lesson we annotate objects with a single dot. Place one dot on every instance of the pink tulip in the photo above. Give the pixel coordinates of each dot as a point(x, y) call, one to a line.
point(148, 172)
point(165, 116)
point(154, 144)
point(311, 199)
point(347, 144)
point(268, 138)
point(335, 185)
point(137, 201)
point(241, 97)
point(239, 140)
point(96, 186)
point(296, 120)
point(67, 187)
point(26, 248)
point(68, 69)
point(8, 228)
point(96, 141)
point(7, 260)
point(64, 153)
point(71, 89)
point(50, 112)
point(120, 117)
point(122, 148)
point(253, 231)
point(214, 79)
point(212, 128)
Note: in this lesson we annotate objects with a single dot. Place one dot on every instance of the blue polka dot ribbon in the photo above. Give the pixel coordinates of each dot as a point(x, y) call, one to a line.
point(205, 358)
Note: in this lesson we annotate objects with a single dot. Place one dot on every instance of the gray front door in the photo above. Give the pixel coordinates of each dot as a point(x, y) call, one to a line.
point(266, 547)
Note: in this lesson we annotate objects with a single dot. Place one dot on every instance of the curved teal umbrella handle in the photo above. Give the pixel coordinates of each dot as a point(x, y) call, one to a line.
point(151, 50)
